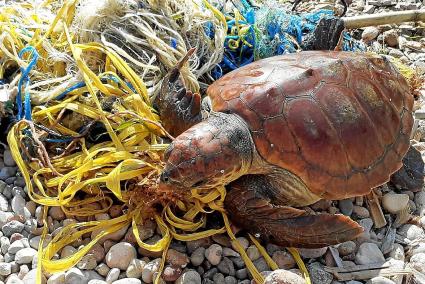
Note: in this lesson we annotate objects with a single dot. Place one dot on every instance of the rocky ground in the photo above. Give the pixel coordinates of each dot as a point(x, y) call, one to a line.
point(214, 260)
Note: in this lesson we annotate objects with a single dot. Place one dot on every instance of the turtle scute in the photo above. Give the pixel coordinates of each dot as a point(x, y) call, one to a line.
point(340, 121)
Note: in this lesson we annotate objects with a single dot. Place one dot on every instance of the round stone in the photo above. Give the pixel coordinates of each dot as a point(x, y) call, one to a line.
point(150, 269)
point(312, 253)
point(57, 278)
point(394, 203)
point(113, 275)
point(25, 255)
point(284, 259)
point(102, 269)
point(171, 273)
point(369, 253)
point(5, 268)
point(176, 258)
point(347, 248)
point(135, 268)
point(87, 262)
point(253, 252)
point(120, 255)
point(75, 276)
point(281, 276)
point(197, 256)
point(214, 254)
point(190, 277)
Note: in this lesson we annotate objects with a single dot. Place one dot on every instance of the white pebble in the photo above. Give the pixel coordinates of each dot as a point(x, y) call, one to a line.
point(120, 255)
point(25, 255)
point(113, 275)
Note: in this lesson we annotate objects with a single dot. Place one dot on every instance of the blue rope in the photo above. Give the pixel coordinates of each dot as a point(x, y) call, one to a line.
point(83, 84)
point(26, 80)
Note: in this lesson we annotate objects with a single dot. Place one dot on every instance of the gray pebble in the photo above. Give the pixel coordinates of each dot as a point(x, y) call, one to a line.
point(57, 278)
point(253, 252)
point(4, 204)
point(75, 276)
point(7, 172)
point(210, 273)
point(347, 248)
point(4, 244)
point(369, 253)
point(230, 280)
point(318, 274)
point(7, 192)
point(18, 204)
point(10, 180)
point(218, 278)
point(189, 277)
point(230, 252)
point(8, 159)
point(12, 227)
point(197, 256)
point(261, 264)
point(17, 190)
point(15, 267)
point(102, 269)
point(241, 273)
point(238, 262)
point(9, 257)
point(5, 269)
point(346, 206)
point(2, 186)
point(380, 280)
point(16, 246)
point(19, 181)
point(226, 267)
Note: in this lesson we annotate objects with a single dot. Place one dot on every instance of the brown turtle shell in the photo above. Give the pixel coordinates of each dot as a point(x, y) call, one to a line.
point(341, 121)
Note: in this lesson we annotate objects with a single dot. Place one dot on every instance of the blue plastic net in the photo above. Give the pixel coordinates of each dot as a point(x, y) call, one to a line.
point(269, 31)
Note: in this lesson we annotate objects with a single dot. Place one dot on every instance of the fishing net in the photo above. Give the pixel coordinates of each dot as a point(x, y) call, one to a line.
point(86, 136)
point(255, 33)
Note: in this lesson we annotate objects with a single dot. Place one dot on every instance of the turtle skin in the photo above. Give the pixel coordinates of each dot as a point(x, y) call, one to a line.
point(340, 121)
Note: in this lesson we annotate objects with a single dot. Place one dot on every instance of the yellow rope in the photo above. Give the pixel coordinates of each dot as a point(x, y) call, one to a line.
point(133, 155)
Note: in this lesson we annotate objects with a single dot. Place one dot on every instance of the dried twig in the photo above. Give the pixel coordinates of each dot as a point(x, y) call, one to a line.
point(375, 210)
point(383, 19)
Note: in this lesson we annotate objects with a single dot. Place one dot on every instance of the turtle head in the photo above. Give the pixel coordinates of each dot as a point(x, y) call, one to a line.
point(212, 153)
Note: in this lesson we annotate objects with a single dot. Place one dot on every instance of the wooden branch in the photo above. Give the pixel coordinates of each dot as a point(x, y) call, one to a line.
point(383, 19)
point(375, 210)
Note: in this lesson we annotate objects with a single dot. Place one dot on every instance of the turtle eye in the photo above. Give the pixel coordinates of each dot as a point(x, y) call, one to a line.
point(199, 183)
point(164, 177)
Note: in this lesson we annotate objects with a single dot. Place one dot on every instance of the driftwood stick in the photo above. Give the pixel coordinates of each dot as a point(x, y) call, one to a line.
point(375, 210)
point(383, 19)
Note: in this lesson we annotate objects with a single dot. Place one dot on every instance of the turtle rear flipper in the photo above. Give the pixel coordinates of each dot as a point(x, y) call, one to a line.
point(250, 208)
point(179, 109)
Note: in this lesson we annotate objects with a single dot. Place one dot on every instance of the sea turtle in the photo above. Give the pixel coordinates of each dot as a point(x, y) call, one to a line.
point(284, 132)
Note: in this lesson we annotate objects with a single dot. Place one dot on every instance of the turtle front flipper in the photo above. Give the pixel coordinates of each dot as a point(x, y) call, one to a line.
point(179, 109)
point(249, 206)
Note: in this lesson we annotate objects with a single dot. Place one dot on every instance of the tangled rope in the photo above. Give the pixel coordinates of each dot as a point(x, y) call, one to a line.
point(84, 81)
